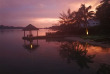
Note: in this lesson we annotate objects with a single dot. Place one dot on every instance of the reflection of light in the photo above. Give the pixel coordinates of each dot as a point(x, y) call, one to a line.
point(31, 46)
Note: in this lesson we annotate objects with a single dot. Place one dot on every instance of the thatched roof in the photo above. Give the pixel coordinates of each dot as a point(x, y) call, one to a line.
point(30, 27)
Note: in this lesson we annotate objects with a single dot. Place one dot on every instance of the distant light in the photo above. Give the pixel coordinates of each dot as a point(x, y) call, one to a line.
point(31, 46)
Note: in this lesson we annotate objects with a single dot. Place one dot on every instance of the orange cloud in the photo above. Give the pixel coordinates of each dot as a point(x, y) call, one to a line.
point(44, 22)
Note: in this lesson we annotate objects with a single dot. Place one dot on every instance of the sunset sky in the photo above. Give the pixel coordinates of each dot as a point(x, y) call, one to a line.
point(41, 13)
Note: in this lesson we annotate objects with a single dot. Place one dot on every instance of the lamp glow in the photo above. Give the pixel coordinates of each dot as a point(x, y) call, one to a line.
point(87, 32)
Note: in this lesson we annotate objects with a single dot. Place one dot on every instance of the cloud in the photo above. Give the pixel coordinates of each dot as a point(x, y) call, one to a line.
point(20, 12)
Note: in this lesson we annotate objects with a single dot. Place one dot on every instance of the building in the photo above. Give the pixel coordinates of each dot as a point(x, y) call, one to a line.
point(92, 22)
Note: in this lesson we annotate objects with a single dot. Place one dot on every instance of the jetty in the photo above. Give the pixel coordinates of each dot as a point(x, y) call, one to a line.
point(29, 28)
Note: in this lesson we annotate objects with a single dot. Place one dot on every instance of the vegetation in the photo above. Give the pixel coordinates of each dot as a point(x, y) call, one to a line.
point(98, 38)
point(71, 22)
point(76, 22)
point(10, 27)
point(103, 14)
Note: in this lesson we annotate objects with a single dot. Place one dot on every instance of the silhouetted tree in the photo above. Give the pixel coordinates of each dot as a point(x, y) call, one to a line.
point(67, 22)
point(66, 18)
point(71, 22)
point(103, 14)
point(84, 14)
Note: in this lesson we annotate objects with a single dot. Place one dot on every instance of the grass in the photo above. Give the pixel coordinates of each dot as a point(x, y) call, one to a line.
point(98, 38)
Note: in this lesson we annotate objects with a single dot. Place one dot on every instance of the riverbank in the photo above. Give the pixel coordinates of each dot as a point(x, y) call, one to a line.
point(103, 41)
point(90, 41)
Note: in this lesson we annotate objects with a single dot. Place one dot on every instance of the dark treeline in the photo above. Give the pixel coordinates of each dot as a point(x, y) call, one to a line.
point(103, 14)
point(10, 27)
point(76, 22)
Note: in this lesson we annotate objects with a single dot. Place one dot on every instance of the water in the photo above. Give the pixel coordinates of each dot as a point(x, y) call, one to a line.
point(50, 56)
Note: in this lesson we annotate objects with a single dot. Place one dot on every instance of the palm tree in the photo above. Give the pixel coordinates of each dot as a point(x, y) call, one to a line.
point(84, 14)
point(74, 19)
point(66, 18)
point(78, 19)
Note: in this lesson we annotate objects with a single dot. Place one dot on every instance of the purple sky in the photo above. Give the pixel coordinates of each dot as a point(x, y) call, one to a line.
point(41, 13)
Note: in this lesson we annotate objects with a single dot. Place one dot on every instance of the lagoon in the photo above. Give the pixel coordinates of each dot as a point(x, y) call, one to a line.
point(50, 56)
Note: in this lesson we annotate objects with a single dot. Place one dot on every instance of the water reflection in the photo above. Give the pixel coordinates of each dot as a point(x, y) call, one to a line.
point(30, 45)
point(75, 51)
point(16, 57)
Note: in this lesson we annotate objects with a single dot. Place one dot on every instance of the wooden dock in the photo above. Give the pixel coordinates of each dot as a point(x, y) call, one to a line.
point(41, 37)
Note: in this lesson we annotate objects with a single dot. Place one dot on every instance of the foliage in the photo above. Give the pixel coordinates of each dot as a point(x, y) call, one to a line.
point(72, 20)
point(103, 14)
point(76, 22)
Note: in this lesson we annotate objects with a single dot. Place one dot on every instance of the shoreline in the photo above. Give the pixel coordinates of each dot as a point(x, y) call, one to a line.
point(70, 38)
point(88, 41)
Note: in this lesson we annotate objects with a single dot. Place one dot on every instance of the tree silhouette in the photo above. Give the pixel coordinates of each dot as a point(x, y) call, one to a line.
point(103, 14)
point(84, 14)
point(72, 20)
point(66, 18)
point(67, 21)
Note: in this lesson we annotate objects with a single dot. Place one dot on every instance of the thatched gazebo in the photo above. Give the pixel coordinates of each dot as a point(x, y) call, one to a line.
point(30, 28)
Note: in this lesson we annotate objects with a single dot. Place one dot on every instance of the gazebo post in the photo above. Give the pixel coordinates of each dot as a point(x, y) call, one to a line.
point(24, 33)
